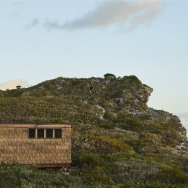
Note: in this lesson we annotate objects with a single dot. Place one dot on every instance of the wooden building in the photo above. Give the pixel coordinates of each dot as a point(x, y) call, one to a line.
point(40, 145)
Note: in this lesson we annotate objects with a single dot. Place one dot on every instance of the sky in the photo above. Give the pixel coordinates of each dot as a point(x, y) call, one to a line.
point(42, 40)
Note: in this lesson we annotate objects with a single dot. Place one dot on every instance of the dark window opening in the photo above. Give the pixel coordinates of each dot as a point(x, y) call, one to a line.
point(31, 133)
point(49, 133)
point(40, 133)
point(57, 133)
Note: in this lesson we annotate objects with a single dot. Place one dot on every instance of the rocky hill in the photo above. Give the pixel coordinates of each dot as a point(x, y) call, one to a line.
point(114, 132)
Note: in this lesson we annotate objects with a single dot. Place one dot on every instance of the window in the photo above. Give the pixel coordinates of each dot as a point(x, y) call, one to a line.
point(57, 133)
point(31, 133)
point(49, 133)
point(40, 133)
point(45, 133)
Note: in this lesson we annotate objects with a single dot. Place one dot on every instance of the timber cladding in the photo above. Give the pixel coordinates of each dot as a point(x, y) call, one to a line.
point(17, 145)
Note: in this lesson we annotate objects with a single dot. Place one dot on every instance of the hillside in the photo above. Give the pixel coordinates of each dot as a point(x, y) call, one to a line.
point(114, 133)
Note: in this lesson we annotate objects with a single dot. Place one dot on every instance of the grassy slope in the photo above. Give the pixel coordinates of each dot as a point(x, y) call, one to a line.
point(121, 146)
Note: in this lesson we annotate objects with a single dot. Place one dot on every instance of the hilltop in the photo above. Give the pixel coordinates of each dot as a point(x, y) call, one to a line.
point(114, 132)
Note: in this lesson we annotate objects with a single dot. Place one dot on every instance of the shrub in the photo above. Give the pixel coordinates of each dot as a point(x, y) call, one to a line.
point(109, 76)
point(83, 157)
point(106, 126)
point(97, 174)
point(132, 79)
point(134, 125)
point(16, 175)
point(173, 174)
point(144, 117)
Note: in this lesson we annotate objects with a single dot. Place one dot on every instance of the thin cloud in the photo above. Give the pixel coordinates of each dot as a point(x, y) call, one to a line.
point(14, 14)
point(11, 84)
point(34, 23)
point(129, 13)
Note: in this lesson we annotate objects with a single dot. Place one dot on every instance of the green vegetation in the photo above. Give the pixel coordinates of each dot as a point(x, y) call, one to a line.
point(15, 175)
point(117, 141)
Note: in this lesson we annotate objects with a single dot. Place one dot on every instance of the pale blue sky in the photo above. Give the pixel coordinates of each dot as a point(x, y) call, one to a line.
point(42, 40)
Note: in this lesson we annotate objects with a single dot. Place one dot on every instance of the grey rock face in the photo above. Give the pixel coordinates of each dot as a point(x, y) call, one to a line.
point(143, 94)
point(182, 147)
point(121, 101)
point(101, 114)
point(59, 88)
point(181, 130)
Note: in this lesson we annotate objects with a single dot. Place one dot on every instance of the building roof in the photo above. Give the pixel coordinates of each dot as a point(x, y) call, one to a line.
point(32, 125)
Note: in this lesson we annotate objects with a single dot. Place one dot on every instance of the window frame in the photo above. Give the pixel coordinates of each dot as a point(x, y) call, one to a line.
point(52, 134)
point(35, 133)
point(60, 134)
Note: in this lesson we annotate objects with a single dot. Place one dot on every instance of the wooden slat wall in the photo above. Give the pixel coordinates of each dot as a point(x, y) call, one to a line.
point(16, 146)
